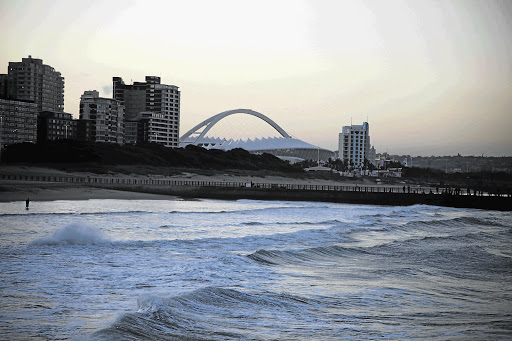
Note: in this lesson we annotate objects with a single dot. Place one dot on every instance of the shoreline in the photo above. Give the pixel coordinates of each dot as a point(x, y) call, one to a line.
point(46, 185)
point(18, 191)
point(14, 191)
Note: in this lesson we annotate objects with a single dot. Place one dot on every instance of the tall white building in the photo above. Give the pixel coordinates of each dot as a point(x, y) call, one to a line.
point(106, 116)
point(354, 144)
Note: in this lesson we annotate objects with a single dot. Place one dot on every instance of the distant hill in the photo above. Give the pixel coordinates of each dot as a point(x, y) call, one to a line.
point(459, 163)
point(103, 154)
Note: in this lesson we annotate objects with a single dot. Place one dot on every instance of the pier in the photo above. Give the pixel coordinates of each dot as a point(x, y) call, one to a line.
point(352, 194)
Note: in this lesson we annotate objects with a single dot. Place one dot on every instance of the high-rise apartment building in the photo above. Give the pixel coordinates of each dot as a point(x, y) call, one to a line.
point(354, 144)
point(3, 86)
point(105, 116)
point(18, 122)
point(152, 110)
point(53, 126)
point(31, 80)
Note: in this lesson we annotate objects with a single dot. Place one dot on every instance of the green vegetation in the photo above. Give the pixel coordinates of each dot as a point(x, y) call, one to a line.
point(78, 154)
point(484, 180)
point(105, 158)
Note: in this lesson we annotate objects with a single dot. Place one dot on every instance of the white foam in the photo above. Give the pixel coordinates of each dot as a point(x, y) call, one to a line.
point(75, 233)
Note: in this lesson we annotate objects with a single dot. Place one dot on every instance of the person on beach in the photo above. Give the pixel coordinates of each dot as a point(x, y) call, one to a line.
point(27, 202)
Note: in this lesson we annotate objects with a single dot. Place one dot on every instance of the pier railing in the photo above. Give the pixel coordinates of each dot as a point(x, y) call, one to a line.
point(272, 186)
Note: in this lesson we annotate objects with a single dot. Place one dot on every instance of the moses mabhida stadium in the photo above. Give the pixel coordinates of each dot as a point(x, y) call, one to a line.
point(283, 145)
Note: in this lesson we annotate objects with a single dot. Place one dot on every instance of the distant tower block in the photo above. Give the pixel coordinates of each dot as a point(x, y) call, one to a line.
point(354, 144)
point(152, 111)
point(31, 80)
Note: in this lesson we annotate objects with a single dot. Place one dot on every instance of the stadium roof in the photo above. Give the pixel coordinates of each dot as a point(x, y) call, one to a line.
point(284, 146)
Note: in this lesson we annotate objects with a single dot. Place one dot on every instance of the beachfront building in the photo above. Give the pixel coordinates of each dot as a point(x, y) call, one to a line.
point(18, 122)
point(53, 126)
point(130, 131)
point(3, 85)
point(372, 155)
point(32, 81)
point(152, 111)
point(28, 88)
point(354, 144)
point(105, 117)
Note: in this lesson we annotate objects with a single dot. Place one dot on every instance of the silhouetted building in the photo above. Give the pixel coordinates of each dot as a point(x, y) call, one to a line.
point(31, 80)
point(84, 128)
point(3, 86)
point(53, 125)
point(153, 107)
point(105, 116)
point(130, 131)
point(18, 122)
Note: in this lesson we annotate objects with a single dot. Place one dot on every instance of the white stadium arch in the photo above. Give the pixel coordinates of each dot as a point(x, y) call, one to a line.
point(285, 147)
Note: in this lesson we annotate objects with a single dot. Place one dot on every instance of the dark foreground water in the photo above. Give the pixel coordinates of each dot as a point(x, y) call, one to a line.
point(253, 270)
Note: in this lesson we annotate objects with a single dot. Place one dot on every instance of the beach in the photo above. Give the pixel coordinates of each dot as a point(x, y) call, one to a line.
point(17, 183)
point(17, 190)
point(42, 191)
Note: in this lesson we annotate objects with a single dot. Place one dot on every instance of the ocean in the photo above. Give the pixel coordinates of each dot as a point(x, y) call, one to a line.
point(253, 270)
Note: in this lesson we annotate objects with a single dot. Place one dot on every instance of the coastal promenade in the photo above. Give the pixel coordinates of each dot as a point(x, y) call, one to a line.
point(232, 190)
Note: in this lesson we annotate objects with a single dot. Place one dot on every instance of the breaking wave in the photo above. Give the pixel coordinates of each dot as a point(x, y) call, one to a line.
point(324, 254)
point(211, 313)
point(455, 222)
point(74, 233)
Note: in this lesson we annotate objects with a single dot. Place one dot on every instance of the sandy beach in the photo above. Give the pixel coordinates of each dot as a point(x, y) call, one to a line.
point(41, 191)
point(19, 190)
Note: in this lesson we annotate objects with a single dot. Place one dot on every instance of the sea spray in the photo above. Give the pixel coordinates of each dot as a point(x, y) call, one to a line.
point(74, 233)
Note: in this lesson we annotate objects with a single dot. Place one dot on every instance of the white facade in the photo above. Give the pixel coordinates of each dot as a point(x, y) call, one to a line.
point(354, 144)
point(161, 128)
point(164, 125)
point(106, 116)
point(282, 147)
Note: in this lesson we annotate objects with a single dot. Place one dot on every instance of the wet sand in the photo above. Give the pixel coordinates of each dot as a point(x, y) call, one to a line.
point(13, 190)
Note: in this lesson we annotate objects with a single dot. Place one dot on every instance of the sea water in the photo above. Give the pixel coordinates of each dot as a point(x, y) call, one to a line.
point(253, 270)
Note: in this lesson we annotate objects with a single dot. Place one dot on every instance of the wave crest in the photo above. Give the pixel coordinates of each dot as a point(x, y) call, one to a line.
point(211, 313)
point(316, 255)
point(74, 233)
point(455, 222)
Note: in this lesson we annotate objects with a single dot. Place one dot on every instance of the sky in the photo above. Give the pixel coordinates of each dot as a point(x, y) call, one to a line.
point(430, 77)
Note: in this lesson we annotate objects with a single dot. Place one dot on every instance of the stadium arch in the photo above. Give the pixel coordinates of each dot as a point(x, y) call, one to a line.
point(285, 147)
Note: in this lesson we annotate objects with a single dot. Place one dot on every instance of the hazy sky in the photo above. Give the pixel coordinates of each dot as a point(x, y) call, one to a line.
point(433, 77)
